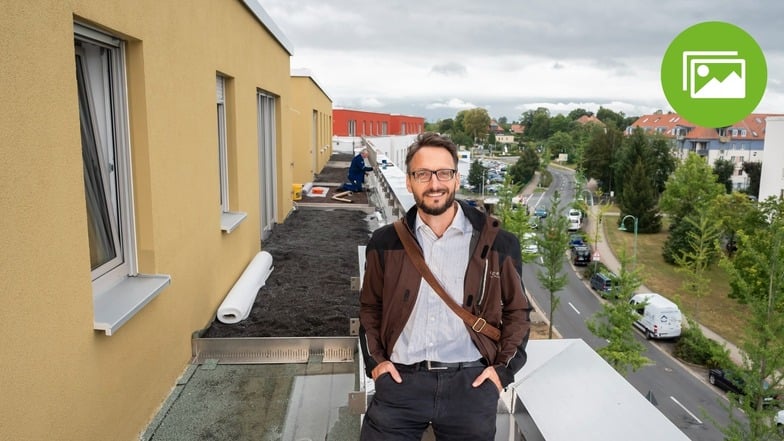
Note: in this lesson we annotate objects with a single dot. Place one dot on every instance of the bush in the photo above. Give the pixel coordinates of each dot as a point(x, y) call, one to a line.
point(693, 347)
point(595, 267)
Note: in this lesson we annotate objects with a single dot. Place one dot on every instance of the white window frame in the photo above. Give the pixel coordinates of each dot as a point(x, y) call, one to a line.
point(229, 220)
point(119, 291)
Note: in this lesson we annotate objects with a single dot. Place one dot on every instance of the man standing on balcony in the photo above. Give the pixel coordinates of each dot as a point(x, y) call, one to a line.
point(429, 366)
point(356, 172)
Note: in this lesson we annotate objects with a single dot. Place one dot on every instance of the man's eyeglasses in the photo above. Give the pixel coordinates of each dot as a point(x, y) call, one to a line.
point(424, 176)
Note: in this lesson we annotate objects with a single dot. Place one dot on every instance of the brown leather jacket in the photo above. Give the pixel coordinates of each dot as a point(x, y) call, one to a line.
point(493, 290)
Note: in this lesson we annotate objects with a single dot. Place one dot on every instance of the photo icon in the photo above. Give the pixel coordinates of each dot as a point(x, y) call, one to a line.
point(714, 75)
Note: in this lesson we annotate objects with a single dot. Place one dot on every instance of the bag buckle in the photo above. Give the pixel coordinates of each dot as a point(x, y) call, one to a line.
point(479, 319)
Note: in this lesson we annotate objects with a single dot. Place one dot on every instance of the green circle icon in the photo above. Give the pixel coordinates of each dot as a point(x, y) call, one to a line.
point(714, 74)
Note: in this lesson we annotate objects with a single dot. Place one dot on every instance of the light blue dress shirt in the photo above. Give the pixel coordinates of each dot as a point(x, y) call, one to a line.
point(434, 332)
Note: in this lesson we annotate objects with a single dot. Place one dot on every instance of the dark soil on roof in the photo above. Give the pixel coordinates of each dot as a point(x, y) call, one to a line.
point(308, 294)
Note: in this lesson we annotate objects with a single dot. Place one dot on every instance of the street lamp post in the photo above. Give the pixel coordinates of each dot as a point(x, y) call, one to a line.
point(623, 228)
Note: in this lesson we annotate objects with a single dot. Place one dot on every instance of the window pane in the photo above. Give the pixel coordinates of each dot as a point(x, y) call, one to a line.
point(99, 225)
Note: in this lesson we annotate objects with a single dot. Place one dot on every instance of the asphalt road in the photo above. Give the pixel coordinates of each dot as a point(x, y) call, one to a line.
point(679, 392)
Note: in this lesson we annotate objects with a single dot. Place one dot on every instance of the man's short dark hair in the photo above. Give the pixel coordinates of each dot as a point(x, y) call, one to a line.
point(431, 139)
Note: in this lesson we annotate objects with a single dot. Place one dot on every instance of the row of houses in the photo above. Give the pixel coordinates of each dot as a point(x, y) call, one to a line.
point(744, 141)
point(149, 147)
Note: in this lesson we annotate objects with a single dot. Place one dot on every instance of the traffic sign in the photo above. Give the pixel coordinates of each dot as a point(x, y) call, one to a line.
point(596, 256)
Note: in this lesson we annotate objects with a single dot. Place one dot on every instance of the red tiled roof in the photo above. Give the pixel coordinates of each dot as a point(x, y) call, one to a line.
point(666, 123)
point(585, 119)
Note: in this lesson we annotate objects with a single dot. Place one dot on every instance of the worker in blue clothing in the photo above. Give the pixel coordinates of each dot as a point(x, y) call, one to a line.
point(356, 173)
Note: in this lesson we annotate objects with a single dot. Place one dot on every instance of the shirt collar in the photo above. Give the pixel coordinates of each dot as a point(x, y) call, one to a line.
point(460, 222)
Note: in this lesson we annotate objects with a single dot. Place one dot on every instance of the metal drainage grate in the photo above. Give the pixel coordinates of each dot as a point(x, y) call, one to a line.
point(261, 350)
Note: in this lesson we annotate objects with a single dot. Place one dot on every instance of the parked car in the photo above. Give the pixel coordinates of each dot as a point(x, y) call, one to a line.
point(603, 283)
point(540, 212)
point(528, 243)
point(576, 240)
point(730, 381)
point(780, 421)
point(725, 380)
point(533, 222)
point(581, 255)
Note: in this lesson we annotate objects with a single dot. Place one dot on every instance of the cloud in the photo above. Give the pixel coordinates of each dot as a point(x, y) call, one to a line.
point(371, 102)
point(450, 69)
point(513, 55)
point(454, 103)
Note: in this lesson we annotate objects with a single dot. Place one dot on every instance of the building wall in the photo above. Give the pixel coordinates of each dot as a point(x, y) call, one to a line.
point(62, 379)
point(406, 125)
point(361, 123)
point(310, 105)
point(772, 180)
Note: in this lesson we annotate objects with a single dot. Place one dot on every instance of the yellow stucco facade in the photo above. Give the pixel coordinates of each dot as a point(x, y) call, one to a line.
point(62, 379)
point(312, 108)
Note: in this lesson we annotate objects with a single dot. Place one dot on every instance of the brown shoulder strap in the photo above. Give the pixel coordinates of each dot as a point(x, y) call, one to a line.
point(478, 324)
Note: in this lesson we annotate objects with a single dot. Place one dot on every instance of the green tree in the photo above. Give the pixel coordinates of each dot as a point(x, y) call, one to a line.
point(600, 155)
point(491, 141)
point(560, 142)
point(723, 169)
point(610, 117)
point(662, 159)
point(537, 123)
point(476, 174)
point(459, 118)
point(639, 199)
point(476, 122)
point(699, 253)
point(523, 170)
point(552, 244)
point(461, 138)
point(692, 186)
point(513, 218)
point(735, 212)
point(690, 189)
point(754, 171)
point(757, 280)
point(446, 125)
point(577, 113)
point(655, 153)
point(614, 323)
point(561, 123)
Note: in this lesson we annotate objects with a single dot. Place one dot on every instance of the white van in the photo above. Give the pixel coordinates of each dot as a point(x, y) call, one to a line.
point(658, 316)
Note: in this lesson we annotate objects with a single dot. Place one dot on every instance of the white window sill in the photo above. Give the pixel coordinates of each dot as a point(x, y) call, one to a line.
point(114, 307)
point(231, 220)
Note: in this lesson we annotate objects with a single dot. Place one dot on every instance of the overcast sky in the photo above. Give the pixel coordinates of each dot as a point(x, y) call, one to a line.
point(434, 58)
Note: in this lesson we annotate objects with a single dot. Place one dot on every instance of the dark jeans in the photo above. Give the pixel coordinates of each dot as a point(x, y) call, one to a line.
point(446, 400)
point(354, 186)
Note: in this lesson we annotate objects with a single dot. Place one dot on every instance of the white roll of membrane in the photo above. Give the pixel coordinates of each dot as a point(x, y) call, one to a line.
point(239, 301)
point(306, 188)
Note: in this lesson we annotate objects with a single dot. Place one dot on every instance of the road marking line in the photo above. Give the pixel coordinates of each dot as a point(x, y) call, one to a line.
point(686, 410)
point(575, 309)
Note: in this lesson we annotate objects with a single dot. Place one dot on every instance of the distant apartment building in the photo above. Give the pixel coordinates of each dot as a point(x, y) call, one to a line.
point(149, 149)
point(772, 179)
point(347, 122)
point(742, 142)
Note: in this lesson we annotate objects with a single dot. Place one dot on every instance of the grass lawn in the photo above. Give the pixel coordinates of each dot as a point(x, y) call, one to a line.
point(716, 310)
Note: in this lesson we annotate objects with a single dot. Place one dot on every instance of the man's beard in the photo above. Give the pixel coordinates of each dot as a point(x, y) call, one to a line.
point(438, 210)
